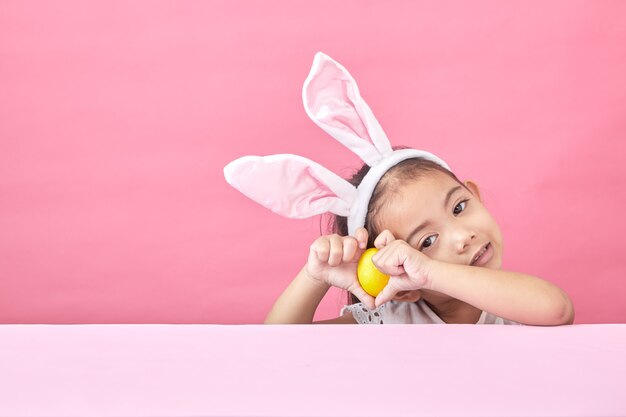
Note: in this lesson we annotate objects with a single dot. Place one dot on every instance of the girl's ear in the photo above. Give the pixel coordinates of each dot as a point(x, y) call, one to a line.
point(473, 187)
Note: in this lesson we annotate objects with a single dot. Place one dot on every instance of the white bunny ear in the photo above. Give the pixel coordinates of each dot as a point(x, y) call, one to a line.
point(332, 100)
point(297, 187)
point(291, 185)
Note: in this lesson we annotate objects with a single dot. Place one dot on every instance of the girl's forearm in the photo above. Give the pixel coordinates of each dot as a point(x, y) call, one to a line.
point(515, 296)
point(297, 304)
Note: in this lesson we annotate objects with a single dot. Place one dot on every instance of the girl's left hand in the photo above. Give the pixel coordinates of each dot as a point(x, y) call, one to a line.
point(408, 268)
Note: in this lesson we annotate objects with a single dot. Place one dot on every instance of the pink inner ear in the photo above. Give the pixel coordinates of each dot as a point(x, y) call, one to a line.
point(331, 98)
point(288, 186)
point(307, 192)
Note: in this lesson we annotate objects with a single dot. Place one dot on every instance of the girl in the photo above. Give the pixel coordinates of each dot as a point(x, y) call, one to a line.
point(437, 241)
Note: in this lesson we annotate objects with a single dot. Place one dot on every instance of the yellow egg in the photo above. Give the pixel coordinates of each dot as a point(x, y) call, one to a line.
point(371, 279)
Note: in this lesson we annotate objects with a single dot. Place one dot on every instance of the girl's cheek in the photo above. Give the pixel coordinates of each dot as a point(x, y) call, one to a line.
point(437, 253)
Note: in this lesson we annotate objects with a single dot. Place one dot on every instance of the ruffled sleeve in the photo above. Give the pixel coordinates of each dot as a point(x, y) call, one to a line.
point(364, 315)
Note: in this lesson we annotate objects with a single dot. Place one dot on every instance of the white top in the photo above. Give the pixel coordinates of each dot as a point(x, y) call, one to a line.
point(395, 312)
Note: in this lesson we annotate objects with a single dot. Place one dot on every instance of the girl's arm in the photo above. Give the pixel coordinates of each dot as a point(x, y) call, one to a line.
point(515, 296)
point(332, 262)
point(299, 301)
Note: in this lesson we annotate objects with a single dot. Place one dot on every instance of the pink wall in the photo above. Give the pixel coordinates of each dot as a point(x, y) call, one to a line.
point(116, 119)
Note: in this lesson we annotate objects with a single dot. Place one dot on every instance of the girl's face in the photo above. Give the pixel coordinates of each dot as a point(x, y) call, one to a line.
point(444, 220)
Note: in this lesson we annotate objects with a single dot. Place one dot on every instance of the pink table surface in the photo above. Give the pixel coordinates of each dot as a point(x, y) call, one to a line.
point(255, 370)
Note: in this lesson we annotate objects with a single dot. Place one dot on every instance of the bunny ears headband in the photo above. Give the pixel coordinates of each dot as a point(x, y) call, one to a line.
point(296, 187)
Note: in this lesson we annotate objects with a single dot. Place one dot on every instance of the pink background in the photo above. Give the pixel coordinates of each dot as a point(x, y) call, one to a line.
point(116, 119)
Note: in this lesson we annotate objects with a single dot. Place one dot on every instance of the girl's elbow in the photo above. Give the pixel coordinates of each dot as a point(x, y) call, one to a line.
point(570, 313)
point(563, 312)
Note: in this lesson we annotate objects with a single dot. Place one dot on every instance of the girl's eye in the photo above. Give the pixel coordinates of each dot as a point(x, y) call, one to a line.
point(460, 207)
point(428, 242)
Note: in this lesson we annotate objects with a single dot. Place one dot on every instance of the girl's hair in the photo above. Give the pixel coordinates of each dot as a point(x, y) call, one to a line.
point(390, 183)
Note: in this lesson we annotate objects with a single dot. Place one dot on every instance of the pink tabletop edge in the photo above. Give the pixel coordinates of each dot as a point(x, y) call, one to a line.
point(254, 370)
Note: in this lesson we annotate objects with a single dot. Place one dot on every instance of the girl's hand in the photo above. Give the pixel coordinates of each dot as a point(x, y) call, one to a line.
point(408, 268)
point(333, 260)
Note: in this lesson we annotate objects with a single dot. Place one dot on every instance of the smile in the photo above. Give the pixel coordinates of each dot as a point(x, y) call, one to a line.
point(483, 256)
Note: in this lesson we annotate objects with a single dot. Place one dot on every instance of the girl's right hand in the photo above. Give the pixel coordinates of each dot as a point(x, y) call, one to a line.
point(333, 260)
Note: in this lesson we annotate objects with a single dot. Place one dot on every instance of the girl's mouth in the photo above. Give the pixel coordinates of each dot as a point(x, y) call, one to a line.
point(483, 256)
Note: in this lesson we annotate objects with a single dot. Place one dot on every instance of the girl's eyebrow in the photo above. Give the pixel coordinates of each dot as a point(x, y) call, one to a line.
point(427, 222)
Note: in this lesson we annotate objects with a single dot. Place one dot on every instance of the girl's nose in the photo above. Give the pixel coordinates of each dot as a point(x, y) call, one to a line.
point(463, 239)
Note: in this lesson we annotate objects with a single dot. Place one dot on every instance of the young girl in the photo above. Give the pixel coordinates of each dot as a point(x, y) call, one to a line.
point(436, 240)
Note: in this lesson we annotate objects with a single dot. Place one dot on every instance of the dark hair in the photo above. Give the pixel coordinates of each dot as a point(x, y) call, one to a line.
point(389, 184)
